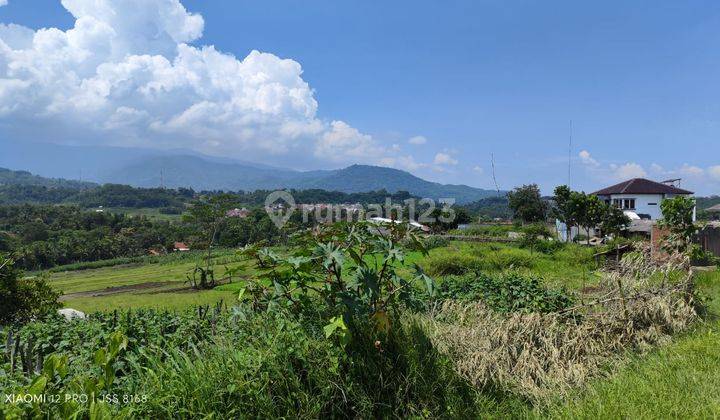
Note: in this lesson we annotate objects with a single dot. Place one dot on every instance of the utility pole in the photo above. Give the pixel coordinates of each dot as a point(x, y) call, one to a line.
point(570, 156)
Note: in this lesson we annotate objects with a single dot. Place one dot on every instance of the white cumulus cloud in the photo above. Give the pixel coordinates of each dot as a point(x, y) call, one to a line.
point(3, 3)
point(126, 73)
point(587, 159)
point(628, 171)
point(444, 159)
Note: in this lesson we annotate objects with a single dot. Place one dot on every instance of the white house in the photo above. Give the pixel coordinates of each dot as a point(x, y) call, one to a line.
point(641, 196)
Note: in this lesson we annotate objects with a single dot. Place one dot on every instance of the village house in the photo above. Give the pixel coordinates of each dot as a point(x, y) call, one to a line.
point(180, 247)
point(241, 213)
point(641, 197)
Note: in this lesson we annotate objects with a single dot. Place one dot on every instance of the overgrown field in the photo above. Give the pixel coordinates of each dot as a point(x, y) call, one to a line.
point(331, 329)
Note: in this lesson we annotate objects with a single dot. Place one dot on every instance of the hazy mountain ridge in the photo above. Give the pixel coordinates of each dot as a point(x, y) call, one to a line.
point(182, 168)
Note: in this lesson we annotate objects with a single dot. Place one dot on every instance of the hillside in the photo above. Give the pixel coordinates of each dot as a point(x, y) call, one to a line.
point(25, 178)
point(357, 178)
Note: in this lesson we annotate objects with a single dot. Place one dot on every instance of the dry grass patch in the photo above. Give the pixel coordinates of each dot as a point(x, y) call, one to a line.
point(542, 355)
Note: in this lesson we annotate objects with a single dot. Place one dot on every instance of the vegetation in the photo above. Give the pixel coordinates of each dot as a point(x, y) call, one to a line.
point(343, 320)
point(23, 299)
point(527, 204)
point(577, 209)
point(678, 218)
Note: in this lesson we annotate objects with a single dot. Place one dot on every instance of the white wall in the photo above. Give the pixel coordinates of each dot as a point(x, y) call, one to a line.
point(642, 203)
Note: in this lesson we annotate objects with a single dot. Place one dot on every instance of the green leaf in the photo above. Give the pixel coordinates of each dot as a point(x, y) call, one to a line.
point(38, 385)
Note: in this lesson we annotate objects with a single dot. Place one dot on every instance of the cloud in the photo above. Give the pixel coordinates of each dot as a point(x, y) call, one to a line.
point(587, 159)
point(691, 171)
point(696, 177)
point(417, 140)
point(628, 171)
point(478, 169)
point(656, 168)
point(714, 172)
point(3, 3)
point(406, 162)
point(444, 159)
point(126, 73)
point(343, 141)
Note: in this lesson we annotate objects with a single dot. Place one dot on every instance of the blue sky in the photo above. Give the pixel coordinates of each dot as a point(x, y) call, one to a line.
point(638, 79)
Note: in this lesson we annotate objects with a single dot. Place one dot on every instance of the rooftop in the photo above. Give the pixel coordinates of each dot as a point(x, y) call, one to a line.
point(642, 186)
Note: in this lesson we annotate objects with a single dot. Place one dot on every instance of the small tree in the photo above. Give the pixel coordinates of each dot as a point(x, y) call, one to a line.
point(208, 216)
point(678, 218)
point(22, 300)
point(614, 220)
point(527, 204)
point(595, 212)
point(563, 210)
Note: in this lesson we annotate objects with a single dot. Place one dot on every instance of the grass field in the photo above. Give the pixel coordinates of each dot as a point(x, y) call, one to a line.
point(150, 213)
point(572, 267)
point(144, 285)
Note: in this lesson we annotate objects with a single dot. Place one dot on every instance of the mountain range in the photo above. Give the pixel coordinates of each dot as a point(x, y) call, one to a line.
point(182, 168)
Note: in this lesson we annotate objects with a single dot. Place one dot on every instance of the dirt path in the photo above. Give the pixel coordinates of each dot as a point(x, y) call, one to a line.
point(117, 289)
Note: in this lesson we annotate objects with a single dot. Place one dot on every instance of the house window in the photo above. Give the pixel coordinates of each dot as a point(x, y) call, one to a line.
point(624, 203)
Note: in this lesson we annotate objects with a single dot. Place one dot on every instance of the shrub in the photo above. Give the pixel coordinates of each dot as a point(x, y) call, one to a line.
point(451, 264)
point(507, 293)
point(432, 242)
point(702, 258)
point(510, 258)
point(549, 247)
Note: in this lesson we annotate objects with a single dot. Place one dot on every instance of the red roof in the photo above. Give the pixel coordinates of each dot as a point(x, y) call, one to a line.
point(181, 245)
point(642, 186)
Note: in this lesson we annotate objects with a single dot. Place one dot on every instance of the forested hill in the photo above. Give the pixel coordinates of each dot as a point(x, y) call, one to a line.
point(18, 187)
point(10, 177)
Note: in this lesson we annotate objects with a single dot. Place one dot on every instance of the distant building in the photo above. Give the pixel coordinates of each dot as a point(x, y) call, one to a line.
point(384, 220)
point(641, 197)
point(241, 213)
point(180, 247)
